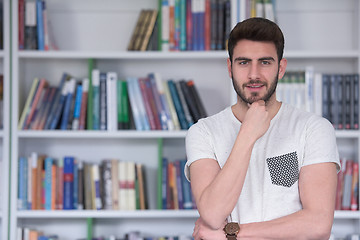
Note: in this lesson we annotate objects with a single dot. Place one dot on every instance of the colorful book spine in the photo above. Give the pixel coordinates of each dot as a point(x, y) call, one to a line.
point(67, 106)
point(48, 183)
point(84, 104)
point(103, 102)
point(96, 179)
point(40, 25)
point(96, 99)
point(77, 109)
point(68, 183)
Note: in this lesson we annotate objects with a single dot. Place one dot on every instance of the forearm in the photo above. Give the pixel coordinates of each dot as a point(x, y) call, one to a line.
point(304, 224)
point(220, 197)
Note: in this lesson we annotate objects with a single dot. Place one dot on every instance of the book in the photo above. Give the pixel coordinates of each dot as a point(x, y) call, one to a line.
point(148, 29)
point(103, 102)
point(123, 186)
point(96, 99)
point(177, 104)
point(107, 185)
point(80, 194)
point(96, 179)
point(135, 109)
point(123, 118)
point(115, 184)
point(30, 25)
point(48, 184)
point(77, 107)
point(136, 31)
point(68, 183)
point(140, 103)
point(29, 99)
point(185, 107)
point(174, 117)
point(40, 25)
point(111, 101)
point(190, 101)
point(84, 104)
point(36, 100)
point(57, 105)
point(149, 104)
point(71, 85)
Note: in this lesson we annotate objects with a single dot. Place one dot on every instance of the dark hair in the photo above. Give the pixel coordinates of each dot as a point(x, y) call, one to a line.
point(257, 29)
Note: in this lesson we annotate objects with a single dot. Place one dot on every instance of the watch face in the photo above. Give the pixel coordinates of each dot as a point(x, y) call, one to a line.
point(232, 228)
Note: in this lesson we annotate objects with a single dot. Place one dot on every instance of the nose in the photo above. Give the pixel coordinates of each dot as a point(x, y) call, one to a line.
point(253, 72)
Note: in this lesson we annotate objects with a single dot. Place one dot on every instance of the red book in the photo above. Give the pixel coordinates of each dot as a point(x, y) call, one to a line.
point(21, 19)
point(207, 26)
point(354, 187)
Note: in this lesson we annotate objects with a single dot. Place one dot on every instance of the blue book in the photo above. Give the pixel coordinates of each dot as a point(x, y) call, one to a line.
point(68, 198)
point(48, 182)
point(76, 186)
point(178, 107)
point(179, 184)
point(56, 103)
point(182, 44)
point(22, 183)
point(67, 106)
point(201, 28)
point(140, 102)
point(164, 182)
point(77, 109)
point(185, 187)
point(40, 25)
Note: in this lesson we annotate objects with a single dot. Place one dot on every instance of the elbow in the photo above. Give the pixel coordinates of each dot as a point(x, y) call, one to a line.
point(321, 231)
point(212, 220)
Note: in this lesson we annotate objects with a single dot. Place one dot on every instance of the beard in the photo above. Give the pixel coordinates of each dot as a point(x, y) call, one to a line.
point(254, 95)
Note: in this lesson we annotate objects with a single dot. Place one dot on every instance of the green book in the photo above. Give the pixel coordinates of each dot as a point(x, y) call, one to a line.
point(123, 105)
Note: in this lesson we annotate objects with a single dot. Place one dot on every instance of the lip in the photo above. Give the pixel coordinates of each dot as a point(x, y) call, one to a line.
point(255, 87)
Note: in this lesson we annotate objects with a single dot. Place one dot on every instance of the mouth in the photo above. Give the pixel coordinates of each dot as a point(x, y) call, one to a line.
point(255, 86)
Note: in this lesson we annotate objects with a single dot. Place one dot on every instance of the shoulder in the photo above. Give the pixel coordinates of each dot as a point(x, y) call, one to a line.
point(211, 123)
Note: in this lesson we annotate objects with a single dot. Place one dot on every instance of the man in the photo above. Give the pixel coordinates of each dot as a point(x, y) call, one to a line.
point(261, 163)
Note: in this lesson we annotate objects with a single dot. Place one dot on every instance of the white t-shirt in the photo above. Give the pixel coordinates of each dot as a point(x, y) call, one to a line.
point(294, 139)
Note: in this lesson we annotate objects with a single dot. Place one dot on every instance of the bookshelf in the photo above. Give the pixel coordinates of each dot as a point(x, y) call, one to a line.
point(82, 30)
point(5, 131)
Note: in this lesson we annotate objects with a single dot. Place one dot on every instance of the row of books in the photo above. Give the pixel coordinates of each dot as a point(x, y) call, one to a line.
point(260, 8)
point(291, 89)
point(26, 233)
point(183, 25)
point(68, 183)
point(335, 96)
point(340, 100)
point(34, 26)
point(147, 103)
point(347, 192)
point(175, 190)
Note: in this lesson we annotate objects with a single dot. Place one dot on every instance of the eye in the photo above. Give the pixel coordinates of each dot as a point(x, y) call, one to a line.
point(265, 62)
point(243, 62)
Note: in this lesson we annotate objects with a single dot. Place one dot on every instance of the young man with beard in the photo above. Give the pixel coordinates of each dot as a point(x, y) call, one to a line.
point(261, 169)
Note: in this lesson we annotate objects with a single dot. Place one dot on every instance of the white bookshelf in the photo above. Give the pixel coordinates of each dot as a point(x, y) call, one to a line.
point(5, 132)
point(82, 31)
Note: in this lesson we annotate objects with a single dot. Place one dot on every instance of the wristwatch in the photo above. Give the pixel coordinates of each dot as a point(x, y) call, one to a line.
point(231, 230)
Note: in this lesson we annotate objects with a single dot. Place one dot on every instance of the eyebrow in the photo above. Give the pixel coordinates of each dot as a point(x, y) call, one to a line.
point(260, 59)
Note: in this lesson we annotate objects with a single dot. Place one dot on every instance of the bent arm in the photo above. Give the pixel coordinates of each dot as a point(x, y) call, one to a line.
point(216, 190)
point(317, 186)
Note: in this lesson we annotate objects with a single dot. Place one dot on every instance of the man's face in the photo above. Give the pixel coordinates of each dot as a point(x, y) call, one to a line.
point(255, 71)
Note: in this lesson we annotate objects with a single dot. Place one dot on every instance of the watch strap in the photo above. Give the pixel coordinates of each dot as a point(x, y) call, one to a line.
point(230, 237)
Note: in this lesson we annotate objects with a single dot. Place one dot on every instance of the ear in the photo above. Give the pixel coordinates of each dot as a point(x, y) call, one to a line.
point(282, 68)
point(229, 67)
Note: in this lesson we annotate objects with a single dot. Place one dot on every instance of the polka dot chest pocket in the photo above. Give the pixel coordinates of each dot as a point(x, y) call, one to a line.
point(284, 169)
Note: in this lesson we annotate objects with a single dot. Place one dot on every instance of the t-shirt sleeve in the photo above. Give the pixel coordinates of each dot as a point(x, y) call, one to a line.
point(320, 143)
point(198, 145)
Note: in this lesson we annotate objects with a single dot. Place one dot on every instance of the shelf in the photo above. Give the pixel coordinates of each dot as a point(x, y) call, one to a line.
point(350, 54)
point(123, 55)
point(108, 214)
point(102, 134)
point(347, 133)
point(347, 214)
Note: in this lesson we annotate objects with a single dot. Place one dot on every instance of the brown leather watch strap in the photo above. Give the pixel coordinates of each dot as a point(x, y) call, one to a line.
point(230, 237)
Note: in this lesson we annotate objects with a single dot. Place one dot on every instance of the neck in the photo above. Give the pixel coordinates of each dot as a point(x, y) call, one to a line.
point(240, 108)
